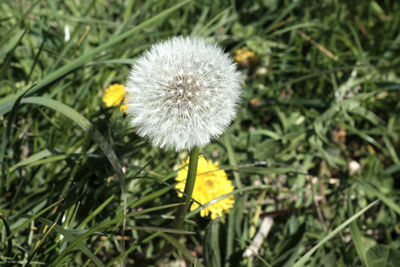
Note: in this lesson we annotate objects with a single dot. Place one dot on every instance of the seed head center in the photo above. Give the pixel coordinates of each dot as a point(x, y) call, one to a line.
point(183, 89)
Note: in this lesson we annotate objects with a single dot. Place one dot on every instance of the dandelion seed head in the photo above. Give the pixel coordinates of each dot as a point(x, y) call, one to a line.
point(186, 93)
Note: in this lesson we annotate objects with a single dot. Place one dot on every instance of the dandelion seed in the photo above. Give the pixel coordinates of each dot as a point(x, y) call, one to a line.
point(184, 91)
point(211, 183)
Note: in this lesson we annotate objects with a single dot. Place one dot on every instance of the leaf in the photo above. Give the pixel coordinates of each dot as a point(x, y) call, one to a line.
point(290, 246)
point(383, 256)
point(234, 232)
point(8, 233)
point(134, 203)
point(62, 108)
point(95, 212)
point(385, 199)
point(76, 243)
point(235, 192)
point(71, 238)
point(212, 253)
point(7, 134)
point(41, 157)
point(97, 137)
point(7, 102)
point(182, 249)
point(357, 238)
point(34, 217)
point(301, 262)
point(13, 42)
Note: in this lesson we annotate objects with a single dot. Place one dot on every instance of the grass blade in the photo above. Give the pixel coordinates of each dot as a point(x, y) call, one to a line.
point(95, 212)
point(34, 217)
point(386, 200)
point(179, 247)
point(301, 262)
point(8, 101)
point(71, 238)
point(8, 233)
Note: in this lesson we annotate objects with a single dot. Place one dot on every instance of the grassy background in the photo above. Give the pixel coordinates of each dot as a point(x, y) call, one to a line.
point(322, 99)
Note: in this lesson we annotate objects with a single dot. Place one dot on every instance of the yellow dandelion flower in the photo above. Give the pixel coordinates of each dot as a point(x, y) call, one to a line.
point(245, 57)
point(123, 107)
point(211, 183)
point(113, 96)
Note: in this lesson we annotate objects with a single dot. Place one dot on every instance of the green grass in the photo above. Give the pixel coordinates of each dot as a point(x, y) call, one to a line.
point(76, 179)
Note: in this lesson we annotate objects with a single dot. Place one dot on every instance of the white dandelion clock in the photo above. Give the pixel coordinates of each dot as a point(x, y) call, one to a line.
point(182, 93)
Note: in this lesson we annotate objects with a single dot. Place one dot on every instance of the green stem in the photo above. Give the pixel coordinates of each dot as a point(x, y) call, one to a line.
point(190, 180)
